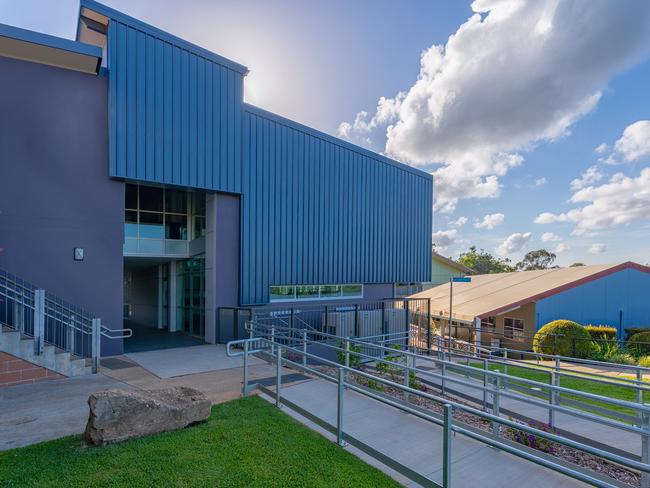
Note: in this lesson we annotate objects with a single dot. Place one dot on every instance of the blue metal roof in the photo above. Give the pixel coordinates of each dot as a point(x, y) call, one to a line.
point(162, 35)
point(50, 41)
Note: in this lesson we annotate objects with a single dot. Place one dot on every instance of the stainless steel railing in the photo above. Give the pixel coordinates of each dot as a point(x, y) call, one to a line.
point(291, 352)
point(551, 397)
point(48, 319)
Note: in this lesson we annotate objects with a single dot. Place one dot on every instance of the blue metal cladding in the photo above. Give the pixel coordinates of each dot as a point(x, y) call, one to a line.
point(317, 210)
point(604, 301)
point(174, 111)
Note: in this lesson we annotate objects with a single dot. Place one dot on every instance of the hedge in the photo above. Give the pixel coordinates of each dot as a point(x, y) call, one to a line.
point(601, 332)
point(639, 343)
point(575, 341)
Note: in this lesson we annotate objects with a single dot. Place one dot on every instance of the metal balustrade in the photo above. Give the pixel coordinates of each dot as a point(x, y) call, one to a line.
point(291, 349)
point(48, 319)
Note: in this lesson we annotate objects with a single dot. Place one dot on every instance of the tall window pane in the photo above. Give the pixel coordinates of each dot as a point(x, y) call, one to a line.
point(151, 225)
point(131, 197)
point(151, 199)
point(175, 227)
point(176, 201)
point(306, 292)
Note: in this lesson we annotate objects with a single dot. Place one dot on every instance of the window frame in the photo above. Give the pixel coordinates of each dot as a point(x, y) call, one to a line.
point(516, 334)
point(296, 298)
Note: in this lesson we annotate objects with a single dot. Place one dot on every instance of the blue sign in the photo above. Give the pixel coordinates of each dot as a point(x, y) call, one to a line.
point(461, 279)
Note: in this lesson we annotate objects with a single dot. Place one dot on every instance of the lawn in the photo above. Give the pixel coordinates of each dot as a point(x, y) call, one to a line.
point(246, 442)
point(574, 383)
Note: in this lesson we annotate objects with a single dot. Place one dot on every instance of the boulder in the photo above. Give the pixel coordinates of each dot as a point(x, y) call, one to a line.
point(117, 415)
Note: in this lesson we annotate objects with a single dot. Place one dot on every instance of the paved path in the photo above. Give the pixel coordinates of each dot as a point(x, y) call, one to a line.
point(44, 411)
point(627, 442)
point(417, 444)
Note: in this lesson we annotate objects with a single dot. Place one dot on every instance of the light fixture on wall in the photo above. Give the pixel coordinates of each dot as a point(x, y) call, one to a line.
point(78, 253)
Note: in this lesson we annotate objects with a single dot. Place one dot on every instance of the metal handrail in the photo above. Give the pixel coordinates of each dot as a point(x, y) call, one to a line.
point(643, 467)
point(642, 412)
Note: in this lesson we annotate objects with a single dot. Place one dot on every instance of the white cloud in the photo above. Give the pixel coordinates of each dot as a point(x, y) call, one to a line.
point(601, 148)
point(561, 247)
point(621, 200)
point(598, 248)
point(459, 222)
point(481, 99)
point(490, 221)
point(513, 243)
point(550, 237)
point(590, 176)
point(635, 141)
point(540, 181)
point(444, 238)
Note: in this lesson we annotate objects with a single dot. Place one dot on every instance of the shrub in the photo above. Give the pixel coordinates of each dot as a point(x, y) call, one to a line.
point(644, 361)
point(532, 440)
point(630, 331)
point(355, 358)
point(601, 332)
point(563, 337)
point(639, 343)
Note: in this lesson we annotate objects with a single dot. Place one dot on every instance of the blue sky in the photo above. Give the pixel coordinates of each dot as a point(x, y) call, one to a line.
point(506, 113)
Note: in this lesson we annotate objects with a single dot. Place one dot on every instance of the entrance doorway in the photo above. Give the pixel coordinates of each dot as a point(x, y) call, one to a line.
point(164, 303)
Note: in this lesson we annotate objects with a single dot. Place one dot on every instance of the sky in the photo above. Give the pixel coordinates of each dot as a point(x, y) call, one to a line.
point(533, 116)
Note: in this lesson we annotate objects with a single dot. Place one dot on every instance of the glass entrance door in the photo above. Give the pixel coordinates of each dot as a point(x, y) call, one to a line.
point(190, 288)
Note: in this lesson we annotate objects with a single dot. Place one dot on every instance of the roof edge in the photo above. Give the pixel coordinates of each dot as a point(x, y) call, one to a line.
point(451, 262)
point(162, 35)
point(47, 40)
point(335, 140)
point(568, 286)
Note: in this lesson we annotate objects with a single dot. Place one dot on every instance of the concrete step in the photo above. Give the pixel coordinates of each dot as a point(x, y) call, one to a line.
point(55, 359)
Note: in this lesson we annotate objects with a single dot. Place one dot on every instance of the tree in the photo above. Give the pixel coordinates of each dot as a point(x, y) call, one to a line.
point(574, 265)
point(484, 263)
point(540, 259)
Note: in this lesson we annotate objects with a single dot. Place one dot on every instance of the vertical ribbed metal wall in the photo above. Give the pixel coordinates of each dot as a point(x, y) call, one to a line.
point(316, 210)
point(175, 114)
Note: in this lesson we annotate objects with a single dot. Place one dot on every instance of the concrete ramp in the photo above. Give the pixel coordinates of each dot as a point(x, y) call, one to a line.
point(417, 444)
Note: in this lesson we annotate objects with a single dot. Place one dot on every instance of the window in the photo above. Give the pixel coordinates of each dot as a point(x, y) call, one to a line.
point(406, 289)
point(314, 292)
point(513, 328)
point(488, 324)
point(162, 213)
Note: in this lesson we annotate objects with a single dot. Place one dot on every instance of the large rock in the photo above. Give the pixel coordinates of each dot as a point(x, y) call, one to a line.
point(117, 415)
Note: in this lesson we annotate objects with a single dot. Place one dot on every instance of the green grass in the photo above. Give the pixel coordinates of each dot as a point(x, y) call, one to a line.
point(246, 442)
point(575, 383)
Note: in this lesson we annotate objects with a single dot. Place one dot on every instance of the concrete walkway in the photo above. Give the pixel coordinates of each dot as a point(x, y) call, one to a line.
point(417, 444)
point(53, 409)
point(169, 363)
point(618, 439)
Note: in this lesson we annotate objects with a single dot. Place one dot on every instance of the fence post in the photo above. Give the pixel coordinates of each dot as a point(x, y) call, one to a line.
point(407, 376)
point(70, 339)
point(446, 446)
point(428, 325)
point(292, 318)
point(339, 409)
point(485, 384)
point(272, 340)
point(304, 348)
point(347, 352)
point(96, 341)
point(39, 321)
point(496, 426)
point(407, 319)
point(245, 381)
point(356, 320)
point(552, 399)
point(443, 368)
point(645, 448)
point(278, 376)
point(505, 368)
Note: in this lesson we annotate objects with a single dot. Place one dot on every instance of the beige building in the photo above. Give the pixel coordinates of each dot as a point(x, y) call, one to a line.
point(508, 308)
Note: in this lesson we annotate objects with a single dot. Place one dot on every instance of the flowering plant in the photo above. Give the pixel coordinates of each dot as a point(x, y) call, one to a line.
point(533, 441)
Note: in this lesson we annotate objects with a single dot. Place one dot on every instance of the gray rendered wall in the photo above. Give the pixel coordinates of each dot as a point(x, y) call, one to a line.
point(55, 193)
